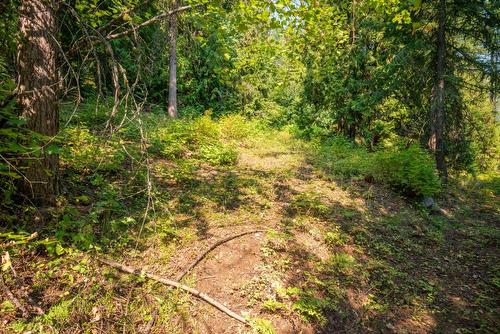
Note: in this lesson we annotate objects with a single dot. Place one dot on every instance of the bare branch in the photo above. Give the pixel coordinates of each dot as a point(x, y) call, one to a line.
point(178, 285)
point(148, 22)
point(110, 37)
point(211, 248)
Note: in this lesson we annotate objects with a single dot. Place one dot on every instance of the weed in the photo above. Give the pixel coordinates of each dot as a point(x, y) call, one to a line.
point(343, 262)
point(309, 203)
point(335, 238)
point(262, 326)
point(272, 305)
point(312, 308)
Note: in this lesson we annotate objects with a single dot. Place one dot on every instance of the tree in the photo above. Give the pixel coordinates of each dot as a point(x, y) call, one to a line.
point(36, 95)
point(436, 142)
point(172, 64)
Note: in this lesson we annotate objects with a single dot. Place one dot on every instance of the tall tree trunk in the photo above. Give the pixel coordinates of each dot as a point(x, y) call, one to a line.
point(37, 98)
point(172, 64)
point(437, 117)
point(494, 79)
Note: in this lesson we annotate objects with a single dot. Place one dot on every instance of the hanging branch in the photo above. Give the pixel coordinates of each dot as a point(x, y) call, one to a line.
point(110, 37)
point(148, 22)
point(121, 16)
point(177, 285)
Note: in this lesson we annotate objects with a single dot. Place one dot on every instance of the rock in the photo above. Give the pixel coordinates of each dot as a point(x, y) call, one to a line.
point(428, 202)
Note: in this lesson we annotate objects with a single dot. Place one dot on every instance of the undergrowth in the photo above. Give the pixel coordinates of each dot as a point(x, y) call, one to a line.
point(409, 170)
point(103, 200)
point(193, 168)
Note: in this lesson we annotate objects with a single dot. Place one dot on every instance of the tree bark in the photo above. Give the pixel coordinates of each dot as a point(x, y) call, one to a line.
point(172, 64)
point(437, 117)
point(37, 98)
point(494, 80)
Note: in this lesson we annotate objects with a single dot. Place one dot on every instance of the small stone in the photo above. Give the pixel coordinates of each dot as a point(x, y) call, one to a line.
point(428, 202)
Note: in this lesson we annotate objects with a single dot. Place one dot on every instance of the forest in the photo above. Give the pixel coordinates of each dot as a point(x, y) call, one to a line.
point(249, 166)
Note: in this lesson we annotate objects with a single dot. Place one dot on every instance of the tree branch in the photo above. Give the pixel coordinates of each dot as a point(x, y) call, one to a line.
point(109, 37)
point(178, 285)
point(218, 243)
point(148, 22)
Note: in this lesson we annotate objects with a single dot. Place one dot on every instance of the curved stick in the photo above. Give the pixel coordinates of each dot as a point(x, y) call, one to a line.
point(218, 243)
point(178, 285)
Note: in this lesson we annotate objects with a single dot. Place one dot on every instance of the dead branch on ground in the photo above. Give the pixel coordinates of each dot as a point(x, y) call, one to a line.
point(215, 245)
point(177, 285)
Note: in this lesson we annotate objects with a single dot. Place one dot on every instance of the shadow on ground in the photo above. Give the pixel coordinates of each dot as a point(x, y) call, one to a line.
point(379, 264)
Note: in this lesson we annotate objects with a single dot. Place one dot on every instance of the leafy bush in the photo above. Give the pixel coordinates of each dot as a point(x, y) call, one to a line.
point(93, 114)
point(204, 130)
point(312, 308)
point(342, 158)
point(490, 183)
point(200, 138)
point(84, 151)
point(9, 147)
point(262, 326)
point(10, 136)
point(410, 171)
point(218, 155)
point(237, 127)
point(175, 139)
point(171, 140)
point(272, 305)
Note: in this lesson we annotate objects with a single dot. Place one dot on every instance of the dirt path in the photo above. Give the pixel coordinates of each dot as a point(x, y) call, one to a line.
point(345, 257)
point(336, 256)
point(237, 272)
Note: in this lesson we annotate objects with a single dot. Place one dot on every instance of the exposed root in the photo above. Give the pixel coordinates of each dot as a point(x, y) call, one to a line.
point(218, 243)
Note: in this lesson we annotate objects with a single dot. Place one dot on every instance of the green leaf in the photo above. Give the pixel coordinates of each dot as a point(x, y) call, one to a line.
point(53, 149)
point(417, 4)
point(59, 249)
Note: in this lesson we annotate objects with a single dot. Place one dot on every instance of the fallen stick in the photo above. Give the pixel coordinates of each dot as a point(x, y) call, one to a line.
point(14, 300)
point(218, 243)
point(178, 285)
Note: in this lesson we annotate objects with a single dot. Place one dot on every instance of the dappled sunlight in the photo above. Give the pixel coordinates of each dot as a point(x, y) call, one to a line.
point(334, 254)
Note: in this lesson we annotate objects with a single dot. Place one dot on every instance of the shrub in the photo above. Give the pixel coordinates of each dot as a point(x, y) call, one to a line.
point(411, 171)
point(219, 155)
point(90, 113)
point(200, 138)
point(204, 130)
point(85, 151)
point(342, 158)
point(10, 138)
point(237, 127)
point(171, 140)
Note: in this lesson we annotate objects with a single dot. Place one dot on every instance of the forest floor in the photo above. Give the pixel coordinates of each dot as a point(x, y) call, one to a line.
point(336, 256)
